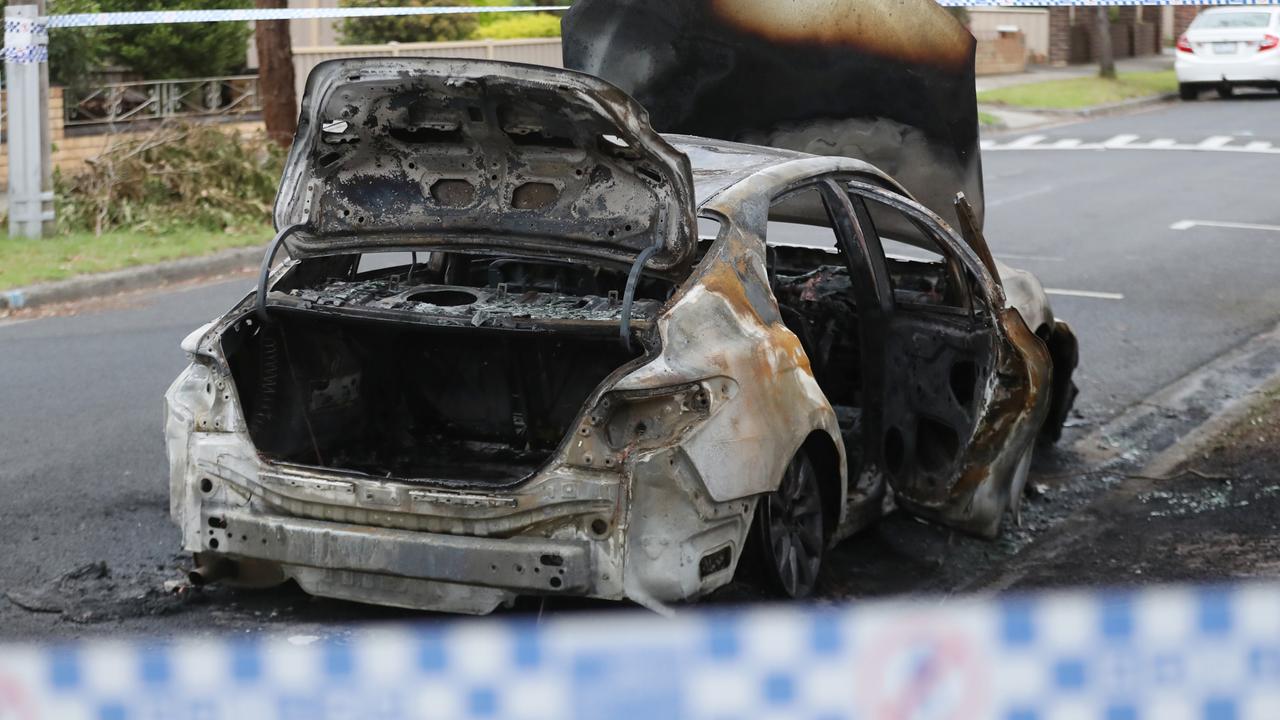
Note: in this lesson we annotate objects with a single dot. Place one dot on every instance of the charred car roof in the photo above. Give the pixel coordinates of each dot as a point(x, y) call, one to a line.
point(720, 164)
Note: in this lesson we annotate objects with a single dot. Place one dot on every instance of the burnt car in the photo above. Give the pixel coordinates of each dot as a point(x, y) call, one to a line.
point(524, 345)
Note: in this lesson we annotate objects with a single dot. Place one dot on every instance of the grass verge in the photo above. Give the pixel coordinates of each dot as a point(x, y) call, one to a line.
point(1077, 93)
point(24, 262)
point(986, 119)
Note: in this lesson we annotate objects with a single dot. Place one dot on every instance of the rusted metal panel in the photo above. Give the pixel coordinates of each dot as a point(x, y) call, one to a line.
point(887, 81)
point(401, 154)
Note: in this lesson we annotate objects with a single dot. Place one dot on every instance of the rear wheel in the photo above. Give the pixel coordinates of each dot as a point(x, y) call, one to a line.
point(1226, 91)
point(1187, 91)
point(789, 530)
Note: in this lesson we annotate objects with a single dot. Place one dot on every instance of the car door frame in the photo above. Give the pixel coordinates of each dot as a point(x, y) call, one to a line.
point(989, 465)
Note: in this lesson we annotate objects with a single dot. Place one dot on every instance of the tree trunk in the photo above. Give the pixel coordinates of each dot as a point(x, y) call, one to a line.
point(1106, 54)
point(275, 75)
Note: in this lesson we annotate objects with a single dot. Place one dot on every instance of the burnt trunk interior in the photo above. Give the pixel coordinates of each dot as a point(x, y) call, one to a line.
point(453, 405)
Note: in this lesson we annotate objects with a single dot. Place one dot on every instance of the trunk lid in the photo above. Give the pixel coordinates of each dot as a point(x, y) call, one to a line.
point(412, 153)
point(1230, 32)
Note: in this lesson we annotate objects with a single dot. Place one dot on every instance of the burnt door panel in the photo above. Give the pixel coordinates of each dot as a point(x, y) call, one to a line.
point(940, 353)
point(936, 367)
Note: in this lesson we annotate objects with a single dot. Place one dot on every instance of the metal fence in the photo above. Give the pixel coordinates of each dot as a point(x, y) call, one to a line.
point(102, 107)
point(130, 102)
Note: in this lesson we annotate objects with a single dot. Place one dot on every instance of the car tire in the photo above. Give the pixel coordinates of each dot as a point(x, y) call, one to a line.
point(1187, 91)
point(1226, 91)
point(788, 532)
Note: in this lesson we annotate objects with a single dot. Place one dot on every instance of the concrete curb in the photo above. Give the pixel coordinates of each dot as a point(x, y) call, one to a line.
point(1105, 109)
point(137, 278)
point(1153, 438)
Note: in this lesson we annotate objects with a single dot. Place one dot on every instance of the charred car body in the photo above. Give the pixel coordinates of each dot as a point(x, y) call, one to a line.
point(616, 364)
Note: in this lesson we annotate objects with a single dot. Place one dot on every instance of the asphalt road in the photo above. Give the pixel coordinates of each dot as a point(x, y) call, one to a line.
point(82, 469)
point(1100, 221)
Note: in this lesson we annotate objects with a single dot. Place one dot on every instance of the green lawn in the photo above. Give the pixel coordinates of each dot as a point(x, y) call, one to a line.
point(1076, 93)
point(986, 119)
point(23, 262)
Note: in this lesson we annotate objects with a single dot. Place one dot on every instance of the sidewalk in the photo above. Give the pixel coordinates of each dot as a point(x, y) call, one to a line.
point(1149, 63)
point(1014, 119)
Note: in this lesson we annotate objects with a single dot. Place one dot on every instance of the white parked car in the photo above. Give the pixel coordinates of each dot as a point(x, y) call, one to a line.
point(1230, 47)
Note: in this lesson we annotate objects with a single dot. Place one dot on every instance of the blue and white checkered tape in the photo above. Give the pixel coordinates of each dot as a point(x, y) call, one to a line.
point(25, 54)
point(1174, 654)
point(24, 42)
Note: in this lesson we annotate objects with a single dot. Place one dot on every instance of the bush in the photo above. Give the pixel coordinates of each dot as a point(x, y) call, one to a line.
point(176, 175)
point(520, 25)
point(405, 28)
point(181, 50)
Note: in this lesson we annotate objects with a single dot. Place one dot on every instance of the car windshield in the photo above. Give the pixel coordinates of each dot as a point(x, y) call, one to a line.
point(1214, 21)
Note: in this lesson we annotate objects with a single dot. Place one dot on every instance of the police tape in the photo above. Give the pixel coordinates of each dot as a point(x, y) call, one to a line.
point(1167, 654)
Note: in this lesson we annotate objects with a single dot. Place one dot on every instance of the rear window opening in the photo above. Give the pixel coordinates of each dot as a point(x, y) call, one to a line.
point(510, 273)
point(1230, 20)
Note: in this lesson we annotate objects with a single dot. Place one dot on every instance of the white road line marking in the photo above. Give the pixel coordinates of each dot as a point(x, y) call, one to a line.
point(1020, 196)
point(1217, 143)
point(1084, 294)
point(1188, 224)
point(1214, 142)
point(1119, 141)
point(1025, 141)
point(1036, 258)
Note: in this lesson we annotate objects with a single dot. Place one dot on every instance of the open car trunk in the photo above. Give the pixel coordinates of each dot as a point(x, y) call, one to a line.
point(449, 405)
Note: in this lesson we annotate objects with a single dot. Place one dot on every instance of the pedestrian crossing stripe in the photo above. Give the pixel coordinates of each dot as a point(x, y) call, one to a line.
point(1215, 143)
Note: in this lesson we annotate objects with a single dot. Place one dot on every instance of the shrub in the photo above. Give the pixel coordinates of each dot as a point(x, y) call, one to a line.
point(520, 25)
point(73, 52)
point(405, 28)
point(179, 50)
point(176, 175)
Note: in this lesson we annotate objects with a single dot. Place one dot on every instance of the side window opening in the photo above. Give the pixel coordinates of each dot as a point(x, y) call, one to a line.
point(708, 232)
point(811, 278)
point(800, 219)
point(921, 273)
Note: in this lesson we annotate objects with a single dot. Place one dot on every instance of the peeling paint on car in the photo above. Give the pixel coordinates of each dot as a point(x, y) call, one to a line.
point(468, 428)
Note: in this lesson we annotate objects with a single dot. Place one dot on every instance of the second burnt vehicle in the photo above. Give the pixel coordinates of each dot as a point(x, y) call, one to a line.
point(617, 364)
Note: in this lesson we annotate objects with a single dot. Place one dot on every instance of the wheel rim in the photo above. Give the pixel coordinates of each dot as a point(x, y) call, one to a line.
point(793, 525)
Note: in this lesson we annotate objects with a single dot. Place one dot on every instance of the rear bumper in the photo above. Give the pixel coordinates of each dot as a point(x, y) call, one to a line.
point(1260, 68)
point(647, 531)
point(525, 565)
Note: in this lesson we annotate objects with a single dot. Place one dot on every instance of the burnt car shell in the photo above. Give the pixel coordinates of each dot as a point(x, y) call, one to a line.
point(537, 406)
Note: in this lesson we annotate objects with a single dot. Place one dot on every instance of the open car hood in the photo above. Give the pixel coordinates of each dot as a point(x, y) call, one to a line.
point(890, 82)
point(409, 153)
